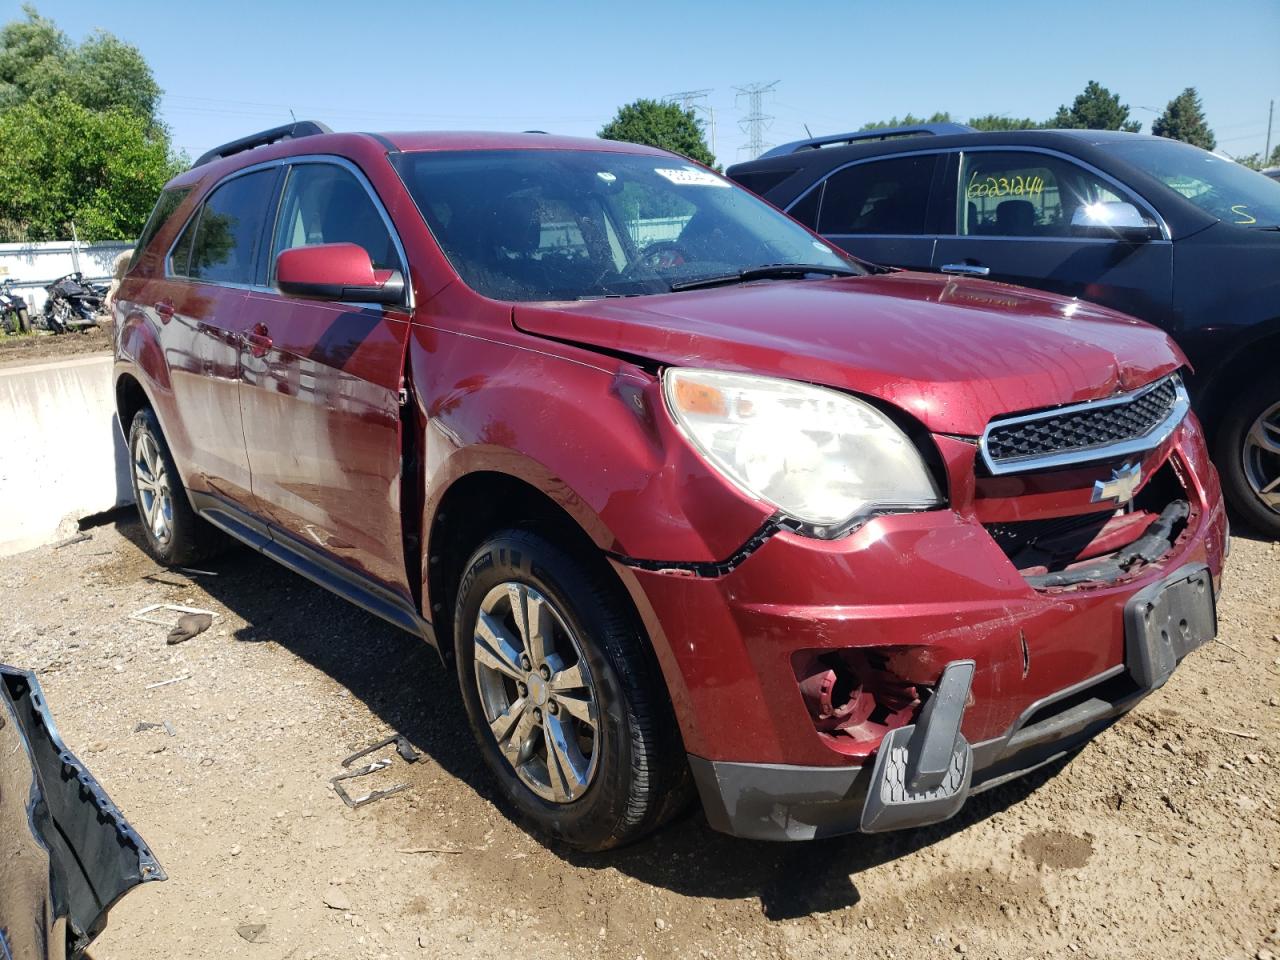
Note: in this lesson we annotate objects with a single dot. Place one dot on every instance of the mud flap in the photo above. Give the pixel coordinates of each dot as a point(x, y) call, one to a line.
point(67, 853)
point(922, 771)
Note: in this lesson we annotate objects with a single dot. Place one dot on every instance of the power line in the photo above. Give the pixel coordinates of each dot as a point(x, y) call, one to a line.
point(756, 121)
point(693, 101)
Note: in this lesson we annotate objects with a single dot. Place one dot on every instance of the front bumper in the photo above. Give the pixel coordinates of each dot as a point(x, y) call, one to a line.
point(923, 773)
point(1050, 666)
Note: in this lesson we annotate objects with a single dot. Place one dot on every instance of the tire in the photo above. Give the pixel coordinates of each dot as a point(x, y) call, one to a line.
point(24, 321)
point(604, 693)
point(172, 531)
point(1246, 464)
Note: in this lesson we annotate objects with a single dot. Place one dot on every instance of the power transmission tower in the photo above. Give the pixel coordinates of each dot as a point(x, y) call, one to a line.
point(696, 100)
point(756, 121)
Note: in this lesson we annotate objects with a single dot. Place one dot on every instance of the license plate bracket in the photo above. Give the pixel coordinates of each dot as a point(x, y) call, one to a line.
point(1166, 621)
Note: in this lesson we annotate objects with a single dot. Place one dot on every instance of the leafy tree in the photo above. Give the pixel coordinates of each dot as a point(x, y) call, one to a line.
point(667, 126)
point(1097, 108)
point(910, 120)
point(1255, 161)
point(62, 163)
point(37, 61)
point(992, 121)
point(1183, 119)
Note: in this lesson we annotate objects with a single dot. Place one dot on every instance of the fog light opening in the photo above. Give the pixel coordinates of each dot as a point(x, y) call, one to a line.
point(852, 698)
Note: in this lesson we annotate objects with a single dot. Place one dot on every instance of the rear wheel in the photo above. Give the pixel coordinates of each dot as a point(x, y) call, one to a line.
point(563, 694)
point(1249, 457)
point(24, 321)
point(173, 532)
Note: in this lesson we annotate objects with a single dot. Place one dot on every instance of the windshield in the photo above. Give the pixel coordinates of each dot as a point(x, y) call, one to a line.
point(570, 225)
point(1216, 185)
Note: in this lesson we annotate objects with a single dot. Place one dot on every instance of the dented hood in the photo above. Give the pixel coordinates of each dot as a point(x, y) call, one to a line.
point(66, 853)
point(954, 352)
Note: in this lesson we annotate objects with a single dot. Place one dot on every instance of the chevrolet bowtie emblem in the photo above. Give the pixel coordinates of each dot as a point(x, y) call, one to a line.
point(1124, 481)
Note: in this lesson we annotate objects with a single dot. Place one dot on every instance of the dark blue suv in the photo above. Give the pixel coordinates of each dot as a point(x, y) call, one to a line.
point(1158, 229)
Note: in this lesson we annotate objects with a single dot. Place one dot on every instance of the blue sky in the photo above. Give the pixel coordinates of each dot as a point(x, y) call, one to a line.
point(233, 67)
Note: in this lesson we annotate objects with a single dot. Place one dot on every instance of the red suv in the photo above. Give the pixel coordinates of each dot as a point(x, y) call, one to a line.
point(689, 498)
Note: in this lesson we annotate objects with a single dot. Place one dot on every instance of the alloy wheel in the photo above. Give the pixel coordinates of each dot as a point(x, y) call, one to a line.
point(1262, 457)
point(155, 498)
point(536, 691)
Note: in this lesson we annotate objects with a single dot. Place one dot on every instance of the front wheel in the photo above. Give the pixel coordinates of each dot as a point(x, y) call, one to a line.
point(1249, 457)
point(24, 321)
point(564, 695)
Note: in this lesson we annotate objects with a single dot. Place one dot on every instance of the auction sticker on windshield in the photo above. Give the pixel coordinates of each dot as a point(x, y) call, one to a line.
point(691, 177)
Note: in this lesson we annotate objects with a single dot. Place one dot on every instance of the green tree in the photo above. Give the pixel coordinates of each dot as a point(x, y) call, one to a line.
point(1097, 108)
point(62, 163)
point(667, 126)
point(1255, 161)
point(992, 121)
point(37, 61)
point(1183, 119)
point(910, 120)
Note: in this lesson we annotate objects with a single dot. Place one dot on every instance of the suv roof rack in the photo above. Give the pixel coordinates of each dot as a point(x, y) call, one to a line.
point(877, 133)
point(289, 131)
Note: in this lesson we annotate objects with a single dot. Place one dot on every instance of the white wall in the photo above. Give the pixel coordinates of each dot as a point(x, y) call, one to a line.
point(62, 456)
point(33, 265)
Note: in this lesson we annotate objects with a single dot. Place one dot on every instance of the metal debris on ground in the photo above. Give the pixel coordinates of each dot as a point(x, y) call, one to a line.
point(202, 573)
point(403, 749)
point(80, 537)
point(165, 683)
point(253, 932)
point(146, 725)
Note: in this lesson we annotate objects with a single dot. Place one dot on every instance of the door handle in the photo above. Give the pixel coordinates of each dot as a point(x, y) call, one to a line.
point(966, 269)
point(164, 310)
point(258, 340)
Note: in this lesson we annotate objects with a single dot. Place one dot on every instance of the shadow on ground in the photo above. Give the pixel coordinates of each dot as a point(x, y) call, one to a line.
point(401, 679)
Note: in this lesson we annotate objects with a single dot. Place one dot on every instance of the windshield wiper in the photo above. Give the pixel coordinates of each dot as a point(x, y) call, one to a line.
point(769, 271)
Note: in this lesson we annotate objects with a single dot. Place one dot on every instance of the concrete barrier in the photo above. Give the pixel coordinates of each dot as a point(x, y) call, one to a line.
point(62, 456)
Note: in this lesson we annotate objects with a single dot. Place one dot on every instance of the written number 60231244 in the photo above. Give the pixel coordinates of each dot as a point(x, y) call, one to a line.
point(1015, 186)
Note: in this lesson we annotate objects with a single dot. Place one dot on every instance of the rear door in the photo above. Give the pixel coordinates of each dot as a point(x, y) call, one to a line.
point(322, 381)
point(201, 321)
point(878, 210)
point(1013, 223)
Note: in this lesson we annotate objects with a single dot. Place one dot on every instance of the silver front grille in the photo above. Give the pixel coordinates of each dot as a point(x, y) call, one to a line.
point(1118, 426)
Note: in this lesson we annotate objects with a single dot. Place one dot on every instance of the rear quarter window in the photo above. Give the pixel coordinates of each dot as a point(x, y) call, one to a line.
point(164, 209)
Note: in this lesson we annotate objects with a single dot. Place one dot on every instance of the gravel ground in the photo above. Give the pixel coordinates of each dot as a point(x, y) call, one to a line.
point(1160, 839)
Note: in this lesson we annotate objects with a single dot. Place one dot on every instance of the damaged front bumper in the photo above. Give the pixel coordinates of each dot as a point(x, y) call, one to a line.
point(67, 855)
point(924, 772)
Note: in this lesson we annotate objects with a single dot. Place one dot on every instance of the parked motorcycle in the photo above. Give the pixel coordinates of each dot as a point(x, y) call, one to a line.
point(14, 317)
point(74, 303)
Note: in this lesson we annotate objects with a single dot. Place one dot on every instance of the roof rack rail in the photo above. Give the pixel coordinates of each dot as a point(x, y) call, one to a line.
point(876, 133)
point(289, 131)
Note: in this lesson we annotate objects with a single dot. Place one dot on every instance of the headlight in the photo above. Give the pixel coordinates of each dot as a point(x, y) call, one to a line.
point(819, 456)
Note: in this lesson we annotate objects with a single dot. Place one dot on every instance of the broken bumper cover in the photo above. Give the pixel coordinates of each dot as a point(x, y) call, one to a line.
point(923, 773)
point(66, 853)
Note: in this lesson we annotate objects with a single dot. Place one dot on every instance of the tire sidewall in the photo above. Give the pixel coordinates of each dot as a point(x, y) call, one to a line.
point(145, 422)
point(1230, 457)
point(590, 820)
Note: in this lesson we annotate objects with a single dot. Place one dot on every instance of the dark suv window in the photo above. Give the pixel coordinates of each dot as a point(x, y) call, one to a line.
point(1024, 194)
point(324, 203)
point(169, 201)
point(224, 245)
point(879, 197)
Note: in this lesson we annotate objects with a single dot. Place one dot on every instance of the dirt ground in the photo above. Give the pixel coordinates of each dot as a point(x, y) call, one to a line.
point(36, 347)
point(1161, 839)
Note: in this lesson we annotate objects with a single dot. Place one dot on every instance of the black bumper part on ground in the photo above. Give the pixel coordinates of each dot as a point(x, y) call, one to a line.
point(66, 853)
point(923, 773)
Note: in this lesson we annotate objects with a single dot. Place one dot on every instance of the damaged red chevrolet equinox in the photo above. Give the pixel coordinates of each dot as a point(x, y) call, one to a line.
point(690, 500)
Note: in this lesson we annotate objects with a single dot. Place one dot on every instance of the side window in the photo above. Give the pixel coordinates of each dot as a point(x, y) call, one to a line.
point(881, 197)
point(169, 201)
point(806, 208)
point(224, 247)
point(1015, 194)
point(324, 203)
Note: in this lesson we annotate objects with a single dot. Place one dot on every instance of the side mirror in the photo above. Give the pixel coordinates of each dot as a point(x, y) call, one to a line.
point(336, 271)
point(1114, 220)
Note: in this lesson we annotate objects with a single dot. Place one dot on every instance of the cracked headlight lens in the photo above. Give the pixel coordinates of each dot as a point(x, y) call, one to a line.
point(819, 456)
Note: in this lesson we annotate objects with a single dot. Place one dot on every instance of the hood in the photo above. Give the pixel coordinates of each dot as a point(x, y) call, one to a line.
point(66, 853)
point(953, 352)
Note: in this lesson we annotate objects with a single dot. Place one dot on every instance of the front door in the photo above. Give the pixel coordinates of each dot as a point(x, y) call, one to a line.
point(321, 386)
point(1013, 223)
